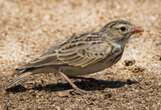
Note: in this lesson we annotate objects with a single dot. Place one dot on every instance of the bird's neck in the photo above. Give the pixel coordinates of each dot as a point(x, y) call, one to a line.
point(121, 41)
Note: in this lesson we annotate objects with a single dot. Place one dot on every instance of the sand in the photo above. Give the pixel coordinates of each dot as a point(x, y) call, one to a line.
point(29, 27)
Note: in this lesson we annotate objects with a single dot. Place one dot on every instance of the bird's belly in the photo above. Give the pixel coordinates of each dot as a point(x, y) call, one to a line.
point(74, 71)
point(99, 66)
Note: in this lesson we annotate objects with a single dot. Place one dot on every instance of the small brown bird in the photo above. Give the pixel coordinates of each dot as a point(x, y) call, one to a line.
point(82, 54)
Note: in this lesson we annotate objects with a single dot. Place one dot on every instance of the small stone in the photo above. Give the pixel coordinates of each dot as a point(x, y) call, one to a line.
point(63, 94)
point(160, 58)
point(129, 62)
point(138, 69)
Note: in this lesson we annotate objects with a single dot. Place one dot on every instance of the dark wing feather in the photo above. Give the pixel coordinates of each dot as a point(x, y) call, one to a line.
point(84, 51)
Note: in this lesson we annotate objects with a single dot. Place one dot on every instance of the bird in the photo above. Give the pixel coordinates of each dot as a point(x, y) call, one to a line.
point(82, 54)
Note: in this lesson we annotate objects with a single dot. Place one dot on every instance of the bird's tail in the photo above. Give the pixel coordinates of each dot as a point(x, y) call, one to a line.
point(22, 75)
point(22, 70)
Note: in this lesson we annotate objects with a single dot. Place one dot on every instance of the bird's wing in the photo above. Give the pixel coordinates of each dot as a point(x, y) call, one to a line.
point(84, 51)
point(80, 51)
point(49, 57)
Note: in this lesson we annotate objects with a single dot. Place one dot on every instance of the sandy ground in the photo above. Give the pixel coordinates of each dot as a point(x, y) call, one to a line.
point(29, 27)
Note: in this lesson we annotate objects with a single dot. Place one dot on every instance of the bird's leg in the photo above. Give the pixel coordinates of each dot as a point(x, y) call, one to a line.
point(78, 90)
point(84, 79)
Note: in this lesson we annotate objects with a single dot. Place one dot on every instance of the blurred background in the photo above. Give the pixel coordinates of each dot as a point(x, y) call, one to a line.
point(29, 27)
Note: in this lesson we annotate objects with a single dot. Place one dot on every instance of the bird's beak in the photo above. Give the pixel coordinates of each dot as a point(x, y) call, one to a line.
point(137, 29)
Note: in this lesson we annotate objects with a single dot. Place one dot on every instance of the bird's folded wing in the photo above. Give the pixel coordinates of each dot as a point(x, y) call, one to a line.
point(46, 60)
point(79, 51)
point(82, 55)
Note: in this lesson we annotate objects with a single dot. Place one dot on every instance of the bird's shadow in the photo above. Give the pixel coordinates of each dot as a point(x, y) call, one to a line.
point(88, 85)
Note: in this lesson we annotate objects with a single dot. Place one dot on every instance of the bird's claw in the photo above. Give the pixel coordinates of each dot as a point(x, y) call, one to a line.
point(79, 92)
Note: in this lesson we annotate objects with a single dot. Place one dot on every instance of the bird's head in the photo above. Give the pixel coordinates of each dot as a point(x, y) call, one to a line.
point(121, 30)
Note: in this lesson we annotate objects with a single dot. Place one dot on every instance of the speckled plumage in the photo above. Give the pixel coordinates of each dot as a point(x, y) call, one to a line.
point(84, 53)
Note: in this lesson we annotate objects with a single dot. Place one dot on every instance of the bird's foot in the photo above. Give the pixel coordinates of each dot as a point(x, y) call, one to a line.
point(79, 91)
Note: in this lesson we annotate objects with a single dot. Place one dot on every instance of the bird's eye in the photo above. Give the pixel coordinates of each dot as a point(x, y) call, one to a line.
point(123, 28)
